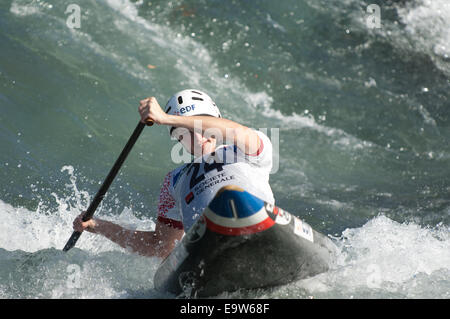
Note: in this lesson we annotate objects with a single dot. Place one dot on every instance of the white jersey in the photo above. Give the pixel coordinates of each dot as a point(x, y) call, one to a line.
point(188, 189)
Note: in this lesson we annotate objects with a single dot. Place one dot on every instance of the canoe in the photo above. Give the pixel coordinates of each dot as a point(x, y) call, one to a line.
point(243, 242)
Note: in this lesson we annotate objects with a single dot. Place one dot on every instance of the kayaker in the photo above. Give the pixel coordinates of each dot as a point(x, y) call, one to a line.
point(223, 152)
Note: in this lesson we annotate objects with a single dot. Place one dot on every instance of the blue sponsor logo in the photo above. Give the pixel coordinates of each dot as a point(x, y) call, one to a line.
point(187, 109)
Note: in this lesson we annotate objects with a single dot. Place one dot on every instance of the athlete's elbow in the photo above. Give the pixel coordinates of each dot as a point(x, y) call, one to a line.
point(148, 251)
point(155, 248)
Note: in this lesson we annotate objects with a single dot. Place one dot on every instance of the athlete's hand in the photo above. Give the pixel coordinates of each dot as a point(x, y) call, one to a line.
point(80, 226)
point(150, 110)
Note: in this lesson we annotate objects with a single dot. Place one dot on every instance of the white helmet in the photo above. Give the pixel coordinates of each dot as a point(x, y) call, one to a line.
point(191, 102)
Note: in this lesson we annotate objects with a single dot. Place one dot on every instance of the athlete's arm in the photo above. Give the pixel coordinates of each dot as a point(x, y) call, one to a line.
point(157, 243)
point(243, 137)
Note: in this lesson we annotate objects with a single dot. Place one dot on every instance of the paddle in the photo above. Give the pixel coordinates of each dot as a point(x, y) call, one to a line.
point(109, 179)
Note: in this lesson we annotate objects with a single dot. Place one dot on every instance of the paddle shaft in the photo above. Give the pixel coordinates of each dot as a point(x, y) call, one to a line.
point(105, 186)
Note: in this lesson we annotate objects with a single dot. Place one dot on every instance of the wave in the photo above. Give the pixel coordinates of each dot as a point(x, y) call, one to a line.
point(50, 226)
point(381, 259)
point(385, 257)
point(419, 26)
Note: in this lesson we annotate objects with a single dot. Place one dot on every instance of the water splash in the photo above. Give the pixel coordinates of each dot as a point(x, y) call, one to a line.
point(385, 258)
point(49, 226)
point(33, 265)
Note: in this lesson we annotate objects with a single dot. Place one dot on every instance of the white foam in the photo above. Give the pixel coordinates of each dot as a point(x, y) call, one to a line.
point(33, 230)
point(386, 257)
point(125, 8)
point(424, 28)
point(275, 24)
point(263, 102)
point(428, 22)
point(93, 281)
point(426, 116)
point(381, 258)
point(194, 65)
point(121, 59)
point(22, 9)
